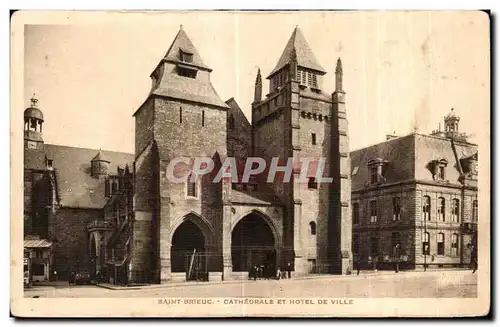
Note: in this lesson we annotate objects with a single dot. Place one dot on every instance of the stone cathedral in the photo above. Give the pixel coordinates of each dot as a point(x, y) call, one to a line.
point(222, 229)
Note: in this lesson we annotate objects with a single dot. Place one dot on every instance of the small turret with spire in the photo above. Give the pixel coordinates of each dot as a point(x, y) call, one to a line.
point(338, 76)
point(258, 88)
point(33, 123)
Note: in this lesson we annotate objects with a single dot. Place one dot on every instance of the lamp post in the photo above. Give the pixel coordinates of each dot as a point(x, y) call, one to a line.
point(426, 245)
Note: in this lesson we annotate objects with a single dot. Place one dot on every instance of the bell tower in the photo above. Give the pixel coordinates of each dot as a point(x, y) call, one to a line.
point(33, 122)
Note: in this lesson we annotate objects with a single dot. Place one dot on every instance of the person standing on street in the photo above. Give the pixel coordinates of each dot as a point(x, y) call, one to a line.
point(289, 270)
point(473, 257)
point(397, 254)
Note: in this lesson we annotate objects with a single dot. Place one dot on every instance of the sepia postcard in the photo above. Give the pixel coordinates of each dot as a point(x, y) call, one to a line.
point(250, 164)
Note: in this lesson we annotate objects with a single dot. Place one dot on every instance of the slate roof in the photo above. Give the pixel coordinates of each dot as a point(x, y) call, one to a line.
point(198, 89)
point(77, 188)
point(408, 158)
point(183, 43)
point(305, 56)
point(190, 89)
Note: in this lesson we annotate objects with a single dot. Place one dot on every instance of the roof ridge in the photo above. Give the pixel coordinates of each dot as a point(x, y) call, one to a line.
point(84, 148)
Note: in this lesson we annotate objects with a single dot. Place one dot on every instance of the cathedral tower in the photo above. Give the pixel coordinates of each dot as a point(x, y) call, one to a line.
point(183, 116)
point(298, 119)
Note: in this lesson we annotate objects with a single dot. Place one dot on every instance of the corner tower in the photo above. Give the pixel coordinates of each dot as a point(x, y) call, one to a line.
point(33, 122)
point(183, 116)
point(298, 119)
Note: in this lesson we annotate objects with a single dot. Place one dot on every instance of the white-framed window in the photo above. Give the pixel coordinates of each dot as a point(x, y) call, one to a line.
point(192, 186)
point(373, 211)
point(396, 208)
point(426, 207)
point(455, 210)
point(454, 244)
point(441, 209)
point(474, 211)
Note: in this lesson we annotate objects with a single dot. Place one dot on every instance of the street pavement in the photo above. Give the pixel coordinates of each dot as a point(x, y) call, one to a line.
point(430, 284)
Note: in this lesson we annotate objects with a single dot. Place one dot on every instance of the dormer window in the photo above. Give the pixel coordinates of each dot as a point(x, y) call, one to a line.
point(439, 168)
point(377, 170)
point(186, 56)
point(49, 163)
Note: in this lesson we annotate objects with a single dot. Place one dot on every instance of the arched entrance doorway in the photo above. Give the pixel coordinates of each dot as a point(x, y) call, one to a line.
point(188, 251)
point(253, 243)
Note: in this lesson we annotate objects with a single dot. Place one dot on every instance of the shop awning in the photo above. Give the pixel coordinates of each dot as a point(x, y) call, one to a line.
point(37, 243)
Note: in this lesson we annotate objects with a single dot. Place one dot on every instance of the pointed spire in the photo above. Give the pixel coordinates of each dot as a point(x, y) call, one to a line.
point(338, 76)
point(338, 68)
point(183, 44)
point(258, 79)
point(258, 88)
point(303, 54)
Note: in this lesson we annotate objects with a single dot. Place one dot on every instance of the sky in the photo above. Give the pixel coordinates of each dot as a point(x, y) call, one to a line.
point(403, 71)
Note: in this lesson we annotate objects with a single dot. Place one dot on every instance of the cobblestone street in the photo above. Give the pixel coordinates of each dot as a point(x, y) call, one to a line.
point(429, 284)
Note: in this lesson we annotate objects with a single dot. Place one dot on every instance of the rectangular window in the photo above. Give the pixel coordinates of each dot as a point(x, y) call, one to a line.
point(355, 213)
point(202, 118)
point(426, 208)
point(440, 244)
point(373, 175)
point(187, 57)
point(474, 211)
point(309, 78)
point(312, 183)
point(299, 76)
point(396, 205)
point(191, 187)
point(373, 246)
point(441, 173)
point(441, 209)
point(315, 81)
point(191, 73)
point(180, 115)
point(373, 211)
point(455, 210)
point(313, 138)
point(454, 244)
point(425, 244)
point(304, 77)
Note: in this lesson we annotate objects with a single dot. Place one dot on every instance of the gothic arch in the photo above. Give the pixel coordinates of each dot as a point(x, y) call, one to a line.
point(201, 222)
point(266, 218)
